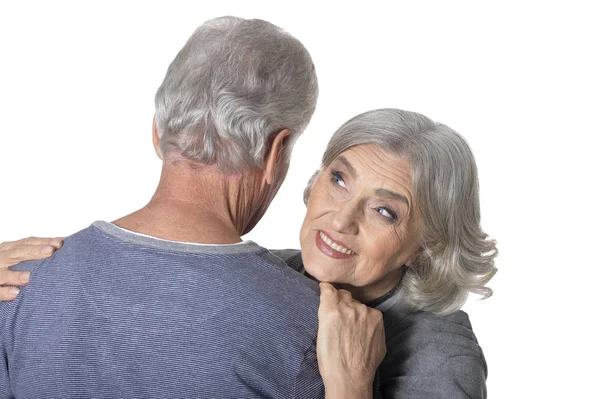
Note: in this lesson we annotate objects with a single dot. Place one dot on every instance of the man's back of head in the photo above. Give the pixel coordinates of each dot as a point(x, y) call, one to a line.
point(232, 86)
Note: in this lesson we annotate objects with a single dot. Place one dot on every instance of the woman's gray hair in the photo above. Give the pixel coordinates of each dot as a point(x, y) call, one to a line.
point(234, 85)
point(457, 257)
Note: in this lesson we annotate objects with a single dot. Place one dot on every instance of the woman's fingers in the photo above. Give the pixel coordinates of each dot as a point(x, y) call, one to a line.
point(8, 280)
point(350, 342)
point(8, 293)
point(22, 252)
point(329, 296)
point(13, 252)
point(55, 242)
point(346, 297)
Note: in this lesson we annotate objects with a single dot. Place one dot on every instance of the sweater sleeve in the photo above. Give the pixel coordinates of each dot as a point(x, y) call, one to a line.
point(5, 389)
point(308, 381)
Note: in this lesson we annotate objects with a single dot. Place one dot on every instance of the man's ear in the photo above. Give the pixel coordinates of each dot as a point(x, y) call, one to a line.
point(155, 138)
point(273, 157)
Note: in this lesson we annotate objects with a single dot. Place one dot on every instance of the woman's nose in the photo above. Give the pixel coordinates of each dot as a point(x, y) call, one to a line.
point(345, 219)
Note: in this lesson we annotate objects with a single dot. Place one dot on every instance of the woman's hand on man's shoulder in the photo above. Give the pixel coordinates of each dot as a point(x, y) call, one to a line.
point(14, 252)
point(350, 344)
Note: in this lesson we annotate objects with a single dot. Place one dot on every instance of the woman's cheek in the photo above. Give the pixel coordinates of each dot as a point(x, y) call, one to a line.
point(320, 272)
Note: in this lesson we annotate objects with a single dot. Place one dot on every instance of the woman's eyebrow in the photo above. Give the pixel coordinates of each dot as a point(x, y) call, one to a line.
point(382, 192)
point(348, 165)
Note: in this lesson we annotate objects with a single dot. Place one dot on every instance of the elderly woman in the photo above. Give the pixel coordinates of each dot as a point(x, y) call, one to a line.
point(393, 221)
point(393, 218)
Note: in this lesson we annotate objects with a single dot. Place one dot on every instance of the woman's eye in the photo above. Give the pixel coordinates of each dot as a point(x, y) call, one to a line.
point(388, 213)
point(336, 178)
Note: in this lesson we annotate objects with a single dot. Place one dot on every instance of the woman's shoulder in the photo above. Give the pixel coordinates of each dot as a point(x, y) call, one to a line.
point(433, 354)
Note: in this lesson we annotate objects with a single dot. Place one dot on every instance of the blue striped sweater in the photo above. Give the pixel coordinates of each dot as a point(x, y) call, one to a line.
point(118, 315)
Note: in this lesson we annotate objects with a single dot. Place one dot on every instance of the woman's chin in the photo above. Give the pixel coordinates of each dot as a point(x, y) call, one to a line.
point(320, 275)
point(321, 267)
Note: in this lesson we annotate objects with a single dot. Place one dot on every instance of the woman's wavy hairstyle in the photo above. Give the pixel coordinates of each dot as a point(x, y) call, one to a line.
point(457, 256)
point(233, 85)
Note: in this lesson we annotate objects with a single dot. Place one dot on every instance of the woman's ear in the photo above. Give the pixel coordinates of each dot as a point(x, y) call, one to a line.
point(155, 138)
point(412, 258)
point(278, 146)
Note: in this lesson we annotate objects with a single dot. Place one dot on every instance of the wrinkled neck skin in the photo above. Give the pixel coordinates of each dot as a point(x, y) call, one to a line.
point(198, 203)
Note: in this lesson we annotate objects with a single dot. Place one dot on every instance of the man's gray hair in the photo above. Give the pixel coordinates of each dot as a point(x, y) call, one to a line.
point(457, 257)
point(232, 87)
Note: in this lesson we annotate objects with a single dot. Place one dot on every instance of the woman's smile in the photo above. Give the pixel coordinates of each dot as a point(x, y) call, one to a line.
point(332, 248)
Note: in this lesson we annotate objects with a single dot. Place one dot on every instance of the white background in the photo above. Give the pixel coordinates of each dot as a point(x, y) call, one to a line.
point(519, 80)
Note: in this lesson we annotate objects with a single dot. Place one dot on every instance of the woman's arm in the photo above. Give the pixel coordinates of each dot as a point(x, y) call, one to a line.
point(13, 252)
point(350, 344)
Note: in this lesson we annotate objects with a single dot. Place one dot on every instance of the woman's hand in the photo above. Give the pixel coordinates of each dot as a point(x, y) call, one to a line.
point(350, 344)
point(13, 252)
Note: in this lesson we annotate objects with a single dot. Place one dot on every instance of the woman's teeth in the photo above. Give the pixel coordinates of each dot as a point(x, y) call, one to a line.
point(333, 245)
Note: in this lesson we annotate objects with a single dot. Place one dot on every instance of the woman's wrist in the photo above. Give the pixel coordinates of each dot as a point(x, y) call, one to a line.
point(349, 387)
point(348, 392)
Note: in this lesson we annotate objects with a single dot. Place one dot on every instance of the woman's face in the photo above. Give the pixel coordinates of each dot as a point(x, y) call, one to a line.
point(361, 226)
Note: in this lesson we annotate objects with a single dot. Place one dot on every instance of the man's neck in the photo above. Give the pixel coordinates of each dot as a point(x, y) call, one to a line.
point(194, 206)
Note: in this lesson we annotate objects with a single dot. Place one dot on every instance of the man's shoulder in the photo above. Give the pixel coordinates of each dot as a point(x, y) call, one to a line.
point(292, 258)
point(95, 258)
point(273, 280)
point(71, 244)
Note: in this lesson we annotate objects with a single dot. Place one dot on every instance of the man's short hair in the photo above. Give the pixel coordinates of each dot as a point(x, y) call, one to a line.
point(234, 85)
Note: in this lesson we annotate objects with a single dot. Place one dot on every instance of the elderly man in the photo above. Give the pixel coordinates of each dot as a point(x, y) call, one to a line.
point(168, 301)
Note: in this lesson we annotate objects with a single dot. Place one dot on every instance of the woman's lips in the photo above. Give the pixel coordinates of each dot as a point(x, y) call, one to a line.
point(332, 248)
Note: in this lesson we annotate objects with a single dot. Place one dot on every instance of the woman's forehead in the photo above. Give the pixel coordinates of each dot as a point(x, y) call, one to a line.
point(378, 169)
point(371, 159)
